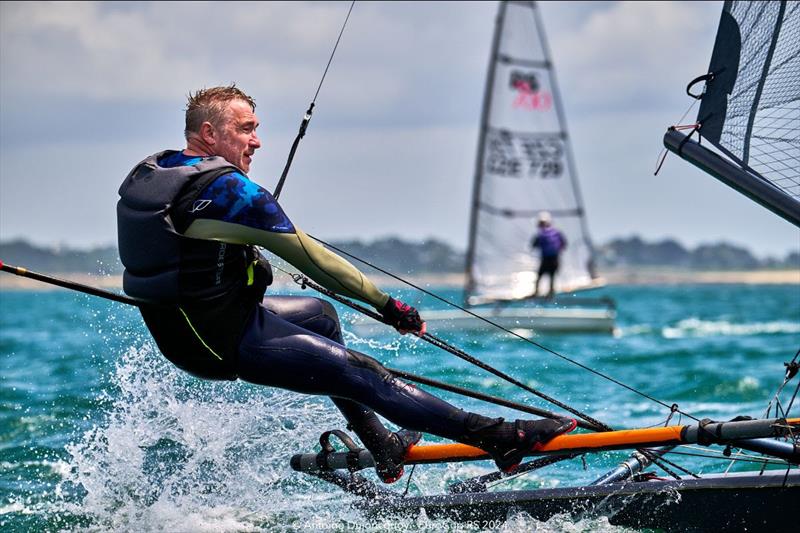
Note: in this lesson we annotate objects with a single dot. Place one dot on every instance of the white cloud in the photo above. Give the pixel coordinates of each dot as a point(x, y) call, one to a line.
point(153, 51)
point(636, 53)
point(396, 121)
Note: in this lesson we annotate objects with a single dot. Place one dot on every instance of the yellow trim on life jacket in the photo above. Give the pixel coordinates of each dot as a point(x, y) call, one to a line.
point(251, 273)
point(198, 335)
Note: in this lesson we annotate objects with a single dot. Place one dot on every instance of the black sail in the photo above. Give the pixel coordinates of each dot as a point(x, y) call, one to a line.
point(750, 109)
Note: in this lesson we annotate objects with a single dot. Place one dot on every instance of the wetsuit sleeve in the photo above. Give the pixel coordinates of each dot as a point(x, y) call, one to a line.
point(241, 212)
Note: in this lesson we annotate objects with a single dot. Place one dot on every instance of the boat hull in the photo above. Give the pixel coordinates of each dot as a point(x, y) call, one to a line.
point(535, 319)
point(733, 502)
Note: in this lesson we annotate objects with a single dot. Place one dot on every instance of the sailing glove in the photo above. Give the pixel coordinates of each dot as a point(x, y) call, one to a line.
point(402, 317)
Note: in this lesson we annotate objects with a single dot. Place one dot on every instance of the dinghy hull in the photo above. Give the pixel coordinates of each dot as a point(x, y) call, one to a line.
point(733, 502)
point(532, 319)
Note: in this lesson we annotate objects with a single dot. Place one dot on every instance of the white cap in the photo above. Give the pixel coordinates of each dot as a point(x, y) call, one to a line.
point(544, 217)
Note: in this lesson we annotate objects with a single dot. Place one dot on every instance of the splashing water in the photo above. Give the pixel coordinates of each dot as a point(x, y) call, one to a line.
point(179, 454)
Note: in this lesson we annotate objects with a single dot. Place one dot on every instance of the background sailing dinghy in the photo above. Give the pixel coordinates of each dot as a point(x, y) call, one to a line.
point(524, 167)
point(750, 112)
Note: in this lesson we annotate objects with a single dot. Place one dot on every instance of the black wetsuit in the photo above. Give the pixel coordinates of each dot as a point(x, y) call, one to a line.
point(293, 343)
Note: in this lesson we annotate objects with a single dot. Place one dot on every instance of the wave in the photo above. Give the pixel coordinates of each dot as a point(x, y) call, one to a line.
point(176, 453)
point(173, 453)
point(694, 327)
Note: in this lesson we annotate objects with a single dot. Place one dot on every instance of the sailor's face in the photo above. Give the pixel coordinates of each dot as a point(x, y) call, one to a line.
point(238, 141)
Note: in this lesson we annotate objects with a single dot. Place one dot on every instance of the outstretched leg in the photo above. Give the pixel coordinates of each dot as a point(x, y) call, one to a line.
point(278, 353)
point(320, 317)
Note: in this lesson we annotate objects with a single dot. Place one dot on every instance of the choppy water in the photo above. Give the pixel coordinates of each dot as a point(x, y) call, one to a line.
point(99, 433)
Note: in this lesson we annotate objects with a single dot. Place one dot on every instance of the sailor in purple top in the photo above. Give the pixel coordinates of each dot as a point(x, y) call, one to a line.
point(551, 243)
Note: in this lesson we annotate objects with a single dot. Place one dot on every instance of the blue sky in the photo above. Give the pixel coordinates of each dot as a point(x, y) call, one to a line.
point(89, 89)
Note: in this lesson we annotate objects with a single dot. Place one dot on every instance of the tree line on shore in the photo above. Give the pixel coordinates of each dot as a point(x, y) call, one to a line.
point(430, 256)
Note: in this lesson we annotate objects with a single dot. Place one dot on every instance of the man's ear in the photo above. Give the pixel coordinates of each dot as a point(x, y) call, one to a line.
point(208, 133)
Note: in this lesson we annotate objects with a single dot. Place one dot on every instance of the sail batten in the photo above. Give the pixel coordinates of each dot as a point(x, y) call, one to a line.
point(524, 167)
point(523, 62)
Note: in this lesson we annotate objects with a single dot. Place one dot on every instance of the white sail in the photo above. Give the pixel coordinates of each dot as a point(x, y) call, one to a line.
point(524, 167)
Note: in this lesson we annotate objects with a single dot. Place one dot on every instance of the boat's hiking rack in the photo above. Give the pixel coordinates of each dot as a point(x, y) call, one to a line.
point(340, 467)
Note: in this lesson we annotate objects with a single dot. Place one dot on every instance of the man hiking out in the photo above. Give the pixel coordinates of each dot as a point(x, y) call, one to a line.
point(188, 224)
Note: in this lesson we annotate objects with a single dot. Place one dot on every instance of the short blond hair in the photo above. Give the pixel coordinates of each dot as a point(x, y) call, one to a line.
point(208, 105)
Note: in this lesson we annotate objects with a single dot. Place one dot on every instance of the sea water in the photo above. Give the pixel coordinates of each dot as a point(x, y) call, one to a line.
point(99, 433)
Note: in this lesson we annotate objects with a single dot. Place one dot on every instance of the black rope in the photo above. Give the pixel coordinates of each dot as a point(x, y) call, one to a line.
point(674, 408)
point(484, 397)
point(304, 282)
point(704, 77)
point(792, 368)
point(408, 481)
point(660, 458)
point(501, 477)
point(791, 371)
point(498, 326)
point(309, 111)
point(791, 402)
point(686, 139)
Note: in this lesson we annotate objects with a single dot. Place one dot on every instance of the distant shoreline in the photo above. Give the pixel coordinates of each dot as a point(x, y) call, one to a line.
point(628, 276)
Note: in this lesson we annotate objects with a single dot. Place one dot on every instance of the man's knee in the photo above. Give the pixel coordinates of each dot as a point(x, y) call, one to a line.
point(364, 361)
point(328, 310)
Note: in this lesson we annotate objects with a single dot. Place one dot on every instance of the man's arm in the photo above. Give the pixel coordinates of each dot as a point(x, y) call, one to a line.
point(236, 210)
point(317, 262)
point(239, 211)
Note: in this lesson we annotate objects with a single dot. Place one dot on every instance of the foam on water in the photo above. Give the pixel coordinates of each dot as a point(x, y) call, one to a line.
point(175, 453)
point(178, 454)
point(694, 327)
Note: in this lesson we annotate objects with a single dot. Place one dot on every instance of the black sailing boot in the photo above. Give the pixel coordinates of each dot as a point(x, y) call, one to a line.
point(390, 455)
point(508, 443)
point(387, 448)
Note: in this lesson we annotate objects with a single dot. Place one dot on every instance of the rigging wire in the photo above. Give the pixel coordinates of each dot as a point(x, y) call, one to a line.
point(498, 326)
point(279, 187)
point(303, 281)
point(663, 154)
point(741, 458)
point(310, 110)
point(792, 368)
point(653, 457)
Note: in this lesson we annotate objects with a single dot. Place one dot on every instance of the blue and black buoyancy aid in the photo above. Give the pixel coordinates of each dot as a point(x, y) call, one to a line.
point(203, 291)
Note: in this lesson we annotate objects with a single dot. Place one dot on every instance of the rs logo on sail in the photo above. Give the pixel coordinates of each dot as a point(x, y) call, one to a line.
point(529, 93)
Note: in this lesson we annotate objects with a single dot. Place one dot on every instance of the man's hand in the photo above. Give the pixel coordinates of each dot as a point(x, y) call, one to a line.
point(403, 317)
